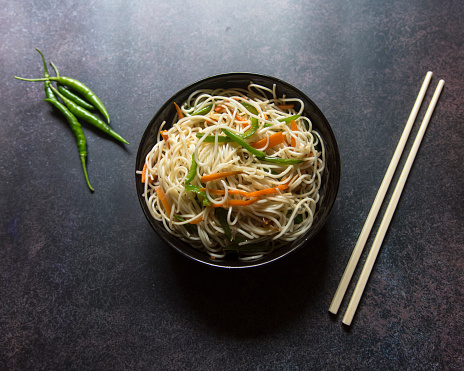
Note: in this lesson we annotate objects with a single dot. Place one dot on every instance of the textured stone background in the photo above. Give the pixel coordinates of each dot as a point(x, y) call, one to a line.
point(86, 284)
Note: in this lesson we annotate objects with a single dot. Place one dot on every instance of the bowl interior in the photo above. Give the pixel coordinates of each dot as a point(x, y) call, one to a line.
point(331, 175)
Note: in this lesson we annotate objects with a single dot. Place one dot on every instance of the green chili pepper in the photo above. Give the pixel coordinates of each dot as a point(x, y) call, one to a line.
point(47, 88)
point(80, 88)
point(72, 120)
point(221, 214)
point(203, 111)
point(78, 133)
point(192, 172)
point(238, 139)
point(76, 99)
point(70, 95)
point(85, 115)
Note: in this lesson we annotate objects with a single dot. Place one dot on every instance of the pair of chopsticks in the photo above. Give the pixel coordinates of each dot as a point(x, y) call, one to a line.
point(368, 265)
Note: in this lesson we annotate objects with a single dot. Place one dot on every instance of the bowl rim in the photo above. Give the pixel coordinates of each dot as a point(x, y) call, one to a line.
point(201, 256)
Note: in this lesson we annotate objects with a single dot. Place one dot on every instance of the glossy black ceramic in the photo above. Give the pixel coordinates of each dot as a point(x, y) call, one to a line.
point(331, 175)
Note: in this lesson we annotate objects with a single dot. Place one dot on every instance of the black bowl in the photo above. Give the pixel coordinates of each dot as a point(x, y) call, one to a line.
point(331, 175)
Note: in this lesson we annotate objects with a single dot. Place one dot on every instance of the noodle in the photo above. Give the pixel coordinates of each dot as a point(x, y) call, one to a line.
point(222, 214)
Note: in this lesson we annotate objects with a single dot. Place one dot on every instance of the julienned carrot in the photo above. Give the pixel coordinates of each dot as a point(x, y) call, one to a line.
point(262, 192)
point(144, 175)
point(210, 177)
point(144, 170)
point(294, 128)
point(236, 202)
point(284, 106)
point(179, 111)
point(164, 201)
point(268, 191)
point(165, 137)
point(222, 192)
point(240, 118)
point(219, 109)
point(197, 220)
point(274, 140)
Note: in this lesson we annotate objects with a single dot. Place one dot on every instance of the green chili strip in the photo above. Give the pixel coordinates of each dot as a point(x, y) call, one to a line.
point(238, 139)
point(192, 172)
point(287, 120)
point(221, 214)
point(254, 121)
point(197, 190)
point(85, 115)
point(212, 138)
point(253, 128)
point(298, 219)
point(203, 111)
point(261, 155)
point(281, 161)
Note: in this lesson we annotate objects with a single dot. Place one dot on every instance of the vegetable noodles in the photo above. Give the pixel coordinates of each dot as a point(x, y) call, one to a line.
point(237, 171)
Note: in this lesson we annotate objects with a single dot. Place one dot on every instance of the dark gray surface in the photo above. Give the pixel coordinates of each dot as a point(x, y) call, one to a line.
point(86, 284)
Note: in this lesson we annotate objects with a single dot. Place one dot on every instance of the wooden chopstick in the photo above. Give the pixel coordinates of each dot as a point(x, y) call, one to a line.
point(349, 270)
point(359, 289)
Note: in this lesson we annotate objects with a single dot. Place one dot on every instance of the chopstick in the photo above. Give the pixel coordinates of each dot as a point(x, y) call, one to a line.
point(349, 270)
point(368, 265)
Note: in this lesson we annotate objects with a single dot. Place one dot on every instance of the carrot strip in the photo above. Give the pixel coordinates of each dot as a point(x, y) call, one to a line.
point(236, 202)
point(284, 106)
point(267, 191)
point(210, 177)
point(222, 192)
point(165, 137)
point(164, 200)
point(242, 202)
point(294, 128)
point(262, 192)
point(144, 170)
point(179, 112)
point(240, 118)
point(144, 175)
point(274, 140)
point(219, 109)
point(197, 220)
